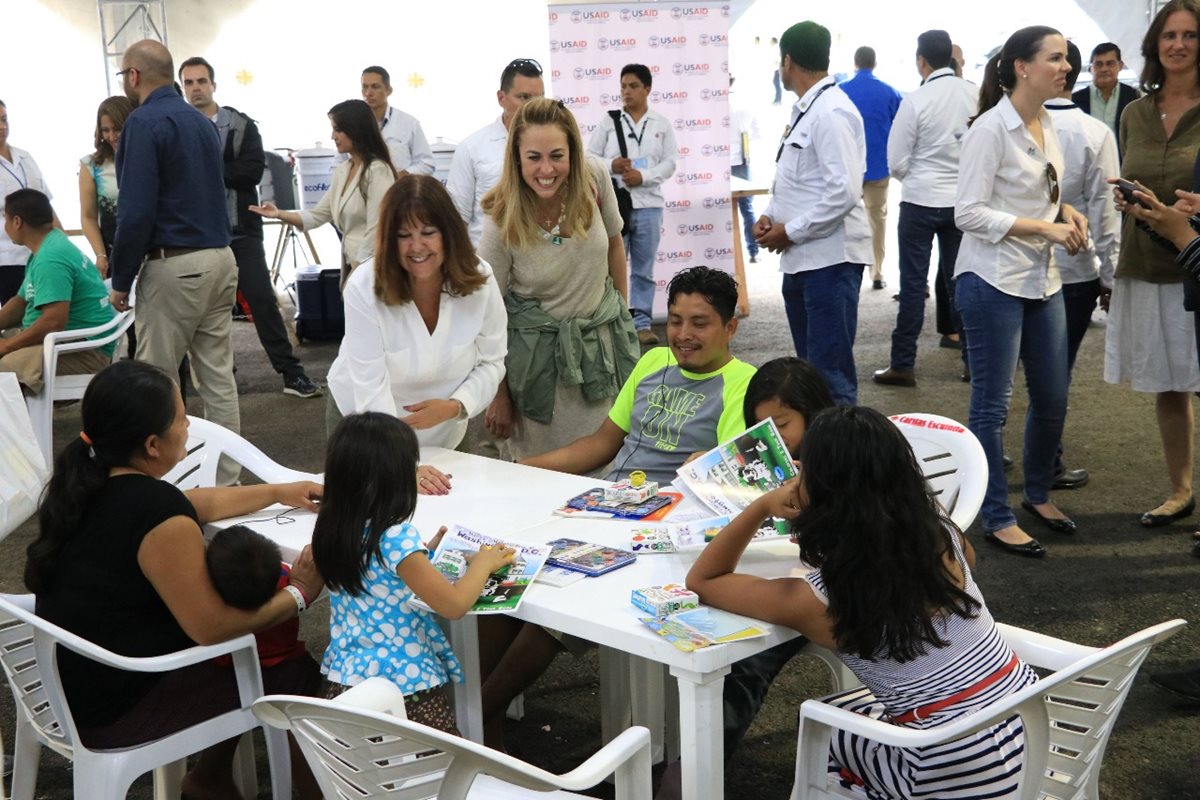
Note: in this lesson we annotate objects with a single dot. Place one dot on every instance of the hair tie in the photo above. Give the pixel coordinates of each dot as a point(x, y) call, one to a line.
point(86, 439)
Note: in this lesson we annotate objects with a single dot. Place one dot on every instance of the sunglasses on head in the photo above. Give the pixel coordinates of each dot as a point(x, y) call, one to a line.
point(1052, 182)
point(525, 63)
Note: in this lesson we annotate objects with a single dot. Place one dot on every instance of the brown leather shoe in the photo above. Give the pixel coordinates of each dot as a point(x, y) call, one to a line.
point(894, 377)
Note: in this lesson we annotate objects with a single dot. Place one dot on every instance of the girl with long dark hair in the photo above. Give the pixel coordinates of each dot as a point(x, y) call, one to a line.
point(892, 594)
point(375, 565)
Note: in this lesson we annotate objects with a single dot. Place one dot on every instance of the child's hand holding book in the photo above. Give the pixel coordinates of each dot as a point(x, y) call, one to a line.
point(492, 558)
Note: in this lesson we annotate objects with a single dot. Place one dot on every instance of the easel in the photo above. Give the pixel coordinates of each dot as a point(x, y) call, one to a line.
point(288, 238)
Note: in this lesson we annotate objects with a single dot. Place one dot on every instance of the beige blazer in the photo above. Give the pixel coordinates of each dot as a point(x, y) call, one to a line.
point(355, 215)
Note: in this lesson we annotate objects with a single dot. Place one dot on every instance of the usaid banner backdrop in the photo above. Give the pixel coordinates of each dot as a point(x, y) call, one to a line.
point(686, 47)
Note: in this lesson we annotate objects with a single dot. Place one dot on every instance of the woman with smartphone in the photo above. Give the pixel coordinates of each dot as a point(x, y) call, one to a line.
point(1151, 337)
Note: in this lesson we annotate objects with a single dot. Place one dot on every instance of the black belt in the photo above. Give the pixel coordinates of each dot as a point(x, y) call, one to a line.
point(158, 253)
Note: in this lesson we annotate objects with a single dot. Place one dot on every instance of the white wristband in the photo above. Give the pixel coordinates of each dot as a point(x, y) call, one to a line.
point(298, 596)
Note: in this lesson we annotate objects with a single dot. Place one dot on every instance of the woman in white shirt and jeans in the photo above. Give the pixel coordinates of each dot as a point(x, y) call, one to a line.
point(1007, 286)
point(426, 329)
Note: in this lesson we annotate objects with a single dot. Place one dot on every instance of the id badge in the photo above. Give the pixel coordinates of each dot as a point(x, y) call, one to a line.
point(641, 163)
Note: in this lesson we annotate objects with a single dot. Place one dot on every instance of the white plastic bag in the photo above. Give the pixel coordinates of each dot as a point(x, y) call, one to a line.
point(23, 470)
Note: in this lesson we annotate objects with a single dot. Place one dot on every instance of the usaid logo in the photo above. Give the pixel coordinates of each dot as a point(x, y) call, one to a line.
point(639, 15)
point(689, 68)
point(627, 43)
point(589, 16)
point(575, 101)
point(584, 130)
point(725, 67)
point(553, 17)
point(725, 11)
point(678, 205)
point(592, 73)
point(556, 74)
point(607, 99)
point(725, 121)
point(673, 256)
point(728, 227)
point(714, 40)
point(711, 253)
point(568, 45)
point(714, 150)
point(667, 42)
point(668, 97)
point(705, 229)
point(684, 152)
point(690, 14)
point(711, 203)
point(693, 177)
point(693, 124)
point(714, 94)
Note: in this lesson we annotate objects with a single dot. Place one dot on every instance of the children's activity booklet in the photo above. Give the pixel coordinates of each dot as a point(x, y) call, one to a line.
point(505, 588)
point(590, 559)
point(732, 475)
point(703, 627)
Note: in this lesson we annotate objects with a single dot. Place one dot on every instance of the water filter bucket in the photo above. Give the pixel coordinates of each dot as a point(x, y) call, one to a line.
point(314, 166)
point(443, 154)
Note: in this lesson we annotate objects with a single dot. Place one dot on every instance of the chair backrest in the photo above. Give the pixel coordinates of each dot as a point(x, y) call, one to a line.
point(953, 462)
point(356, 753)
point(27, 645)
point(207, 442)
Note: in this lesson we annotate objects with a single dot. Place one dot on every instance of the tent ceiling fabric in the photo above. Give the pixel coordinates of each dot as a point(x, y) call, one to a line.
point(1124, 22)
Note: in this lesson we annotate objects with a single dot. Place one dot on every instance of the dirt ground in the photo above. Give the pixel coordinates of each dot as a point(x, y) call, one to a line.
point(1113, 578)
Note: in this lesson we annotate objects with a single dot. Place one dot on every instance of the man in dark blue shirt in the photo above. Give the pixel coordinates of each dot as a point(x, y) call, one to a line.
point(173, 234)
point(878, 104)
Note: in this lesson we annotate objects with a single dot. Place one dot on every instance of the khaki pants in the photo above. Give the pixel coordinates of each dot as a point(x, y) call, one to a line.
point(875, 199)
point(26, 363)
point(183, 307)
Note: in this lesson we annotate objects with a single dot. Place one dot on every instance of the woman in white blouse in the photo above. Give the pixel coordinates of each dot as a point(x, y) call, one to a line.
point(426, 329)
point(1006, 283)
point(357, 187)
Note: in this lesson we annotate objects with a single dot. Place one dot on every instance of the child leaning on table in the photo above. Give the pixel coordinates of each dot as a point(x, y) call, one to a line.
point(374, 566)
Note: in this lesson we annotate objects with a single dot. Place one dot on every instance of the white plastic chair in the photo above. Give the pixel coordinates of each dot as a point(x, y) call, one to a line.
point(208, 441)
point(1068, 717)
point(28, 646)
point(67, 387)
point(953, 462)
point(361, 745)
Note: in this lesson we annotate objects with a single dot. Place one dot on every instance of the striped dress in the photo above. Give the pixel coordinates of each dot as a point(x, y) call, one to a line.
point(983, 765)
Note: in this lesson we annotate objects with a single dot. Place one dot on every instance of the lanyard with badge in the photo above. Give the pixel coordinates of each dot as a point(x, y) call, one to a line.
point(641, 162)
point(796, 121)
point(23, 180)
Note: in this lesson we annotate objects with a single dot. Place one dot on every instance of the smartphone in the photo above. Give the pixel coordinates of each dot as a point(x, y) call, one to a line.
point(1127, 188)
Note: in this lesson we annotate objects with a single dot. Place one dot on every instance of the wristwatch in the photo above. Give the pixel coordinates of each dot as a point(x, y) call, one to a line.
point(462, 409)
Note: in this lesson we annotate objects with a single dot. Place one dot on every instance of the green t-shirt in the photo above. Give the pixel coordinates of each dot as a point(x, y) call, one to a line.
point(668, 413)
point(58, 271)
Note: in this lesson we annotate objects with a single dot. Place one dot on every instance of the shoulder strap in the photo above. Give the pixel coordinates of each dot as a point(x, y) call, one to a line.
point(616, 118)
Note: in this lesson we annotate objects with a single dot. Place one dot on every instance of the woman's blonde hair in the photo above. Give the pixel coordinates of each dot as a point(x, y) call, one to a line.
point(512, 203)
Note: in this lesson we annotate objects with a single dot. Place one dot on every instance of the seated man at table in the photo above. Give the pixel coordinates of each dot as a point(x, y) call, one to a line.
point(62, 290)
point(679, 400)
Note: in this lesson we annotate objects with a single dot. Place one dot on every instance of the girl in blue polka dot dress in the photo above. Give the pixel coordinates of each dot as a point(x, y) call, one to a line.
point(375, 565)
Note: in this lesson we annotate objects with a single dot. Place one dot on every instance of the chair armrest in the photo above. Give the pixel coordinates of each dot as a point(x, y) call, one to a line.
point(605, 761)
point(163, 663)
point(1040, 650)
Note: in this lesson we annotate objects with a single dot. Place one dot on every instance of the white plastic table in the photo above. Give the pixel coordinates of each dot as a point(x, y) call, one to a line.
point(516, 502)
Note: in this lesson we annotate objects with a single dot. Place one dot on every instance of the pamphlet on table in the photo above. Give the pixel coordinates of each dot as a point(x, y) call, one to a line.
point(694, 628)
point(504, 588)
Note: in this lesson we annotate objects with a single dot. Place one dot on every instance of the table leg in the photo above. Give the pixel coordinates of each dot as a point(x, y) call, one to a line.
point(701, 733)
point(739, 264)
point(468, 699)
point(647, 681)
point(614, 693)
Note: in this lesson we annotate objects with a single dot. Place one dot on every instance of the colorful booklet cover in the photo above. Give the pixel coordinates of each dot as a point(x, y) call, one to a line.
point(703, 627)
point(734, 474)
point(505, 588)
point(590, 559)
point(592, 504)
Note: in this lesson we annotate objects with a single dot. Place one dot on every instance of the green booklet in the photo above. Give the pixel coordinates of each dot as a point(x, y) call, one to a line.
point(504, 588)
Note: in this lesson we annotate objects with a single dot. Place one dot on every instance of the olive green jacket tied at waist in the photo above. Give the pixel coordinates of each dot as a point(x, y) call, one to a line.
point(544, 351)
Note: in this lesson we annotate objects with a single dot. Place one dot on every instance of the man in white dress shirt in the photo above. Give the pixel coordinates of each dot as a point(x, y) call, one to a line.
point(816, 218)
point(1089, 152)
point(405, 140)
point(923, 152)
point(479, 160)
point(650, 143)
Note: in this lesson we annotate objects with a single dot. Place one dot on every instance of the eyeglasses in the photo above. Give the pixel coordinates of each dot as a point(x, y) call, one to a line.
point(1052, 182)
point(524, 63)
point(125, 72)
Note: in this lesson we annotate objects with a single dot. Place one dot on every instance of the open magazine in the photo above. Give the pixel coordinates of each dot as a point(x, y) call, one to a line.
point(735, 473)
point(505, 588)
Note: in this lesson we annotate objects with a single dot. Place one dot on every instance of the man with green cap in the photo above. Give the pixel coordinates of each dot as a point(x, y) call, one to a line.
point(816, 218)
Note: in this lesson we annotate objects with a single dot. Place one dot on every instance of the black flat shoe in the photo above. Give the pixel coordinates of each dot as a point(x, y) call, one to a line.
point(1031, 549)
point(1152, 520)
point(1056, 525)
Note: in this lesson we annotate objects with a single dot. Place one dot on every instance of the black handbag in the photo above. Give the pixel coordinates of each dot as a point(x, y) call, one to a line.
point(624, 198)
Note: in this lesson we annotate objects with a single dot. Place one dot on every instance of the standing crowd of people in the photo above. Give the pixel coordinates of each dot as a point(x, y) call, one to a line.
point(510, 313)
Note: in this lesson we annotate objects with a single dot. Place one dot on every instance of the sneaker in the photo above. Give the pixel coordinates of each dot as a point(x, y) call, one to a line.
point(301, 386)
point(647, 337)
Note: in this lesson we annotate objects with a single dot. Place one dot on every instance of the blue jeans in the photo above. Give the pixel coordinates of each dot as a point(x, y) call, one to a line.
point(917, 228)
point(641, 243)
point(1000, 329)
point(746, 207)
point(822, 311)
point(1079, 301)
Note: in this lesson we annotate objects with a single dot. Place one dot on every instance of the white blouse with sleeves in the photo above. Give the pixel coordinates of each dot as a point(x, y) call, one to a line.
point(389, 359)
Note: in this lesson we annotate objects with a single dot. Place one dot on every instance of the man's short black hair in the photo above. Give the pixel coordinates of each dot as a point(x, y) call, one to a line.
point(1106, 47)
point(198, 61)
point(639, 71)
point(381, 72)
point(244, 567)
point(1075, 59)
point(525, 67)
point(864, 58)
point(936, 48)
point(716, 286)
point(31, 206)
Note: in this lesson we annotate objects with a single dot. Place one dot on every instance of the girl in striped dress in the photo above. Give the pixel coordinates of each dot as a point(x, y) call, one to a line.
point(893, 596)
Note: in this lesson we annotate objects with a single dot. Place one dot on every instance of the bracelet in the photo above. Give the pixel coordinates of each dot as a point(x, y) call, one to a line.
point(308, 601)
point(298, 596)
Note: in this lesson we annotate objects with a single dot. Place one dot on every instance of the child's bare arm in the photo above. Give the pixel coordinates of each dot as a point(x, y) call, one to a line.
point(452, 600)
